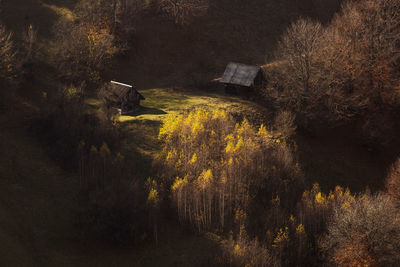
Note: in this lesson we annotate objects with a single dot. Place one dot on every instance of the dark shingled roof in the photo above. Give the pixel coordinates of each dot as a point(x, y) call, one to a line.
point(240, 74)
point(121, 89)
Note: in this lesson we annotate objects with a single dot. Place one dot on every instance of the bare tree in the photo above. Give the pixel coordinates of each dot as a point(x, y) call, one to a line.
point(182, 11)
point(298, 47)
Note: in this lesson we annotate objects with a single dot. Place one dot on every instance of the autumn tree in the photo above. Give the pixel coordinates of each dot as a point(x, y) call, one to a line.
point(316, 208)
point(364, 233)
point(344, 71)
point(118, 17)
point(366, 36)
point(219, 167)
point(294, 77)
point(81, 51)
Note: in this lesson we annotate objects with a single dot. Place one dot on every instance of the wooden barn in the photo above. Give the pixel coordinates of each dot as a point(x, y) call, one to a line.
point(241, 79)
point(121, 96)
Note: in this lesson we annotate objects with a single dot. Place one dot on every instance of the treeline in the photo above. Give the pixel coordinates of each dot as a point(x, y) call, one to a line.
point(344, 72)
point(245, 185)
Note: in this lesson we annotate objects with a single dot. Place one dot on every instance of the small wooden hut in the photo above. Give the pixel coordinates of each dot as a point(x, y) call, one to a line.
point(241, 79)
point(121, 96)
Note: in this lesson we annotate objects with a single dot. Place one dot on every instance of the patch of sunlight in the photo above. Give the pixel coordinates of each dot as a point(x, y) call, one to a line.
point(126, 118)
point(61, 11)
point(145, 117)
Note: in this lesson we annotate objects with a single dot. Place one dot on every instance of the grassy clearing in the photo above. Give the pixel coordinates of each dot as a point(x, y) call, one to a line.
point(144, 124)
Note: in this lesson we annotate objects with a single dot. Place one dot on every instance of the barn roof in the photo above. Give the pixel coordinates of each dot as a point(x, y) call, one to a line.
point(240, 74)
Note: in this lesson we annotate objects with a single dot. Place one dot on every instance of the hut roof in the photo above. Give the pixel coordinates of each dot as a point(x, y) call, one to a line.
point(122, 89)
point(240, 74)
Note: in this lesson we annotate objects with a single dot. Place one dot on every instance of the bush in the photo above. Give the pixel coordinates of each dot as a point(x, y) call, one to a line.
point(364, 233)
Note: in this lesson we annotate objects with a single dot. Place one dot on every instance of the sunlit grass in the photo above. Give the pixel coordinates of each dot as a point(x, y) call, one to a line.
point(143, 124)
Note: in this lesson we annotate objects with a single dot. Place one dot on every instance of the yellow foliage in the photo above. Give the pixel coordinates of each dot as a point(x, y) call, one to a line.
point(239, 144)
point(177, 184)
point(282, 236)
point(263, 132)
point(237, 249)
point(320, 198)
point(197, 128)
point(219, 113)
point(194, 159)
point(339, 191)
point(205, 178)
point(240, 215)
point(171, 154)
point(153, 197)
point(230, 146)
point(229, 137)
point(346, 205)
point(170, 126)
point(300, 229)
